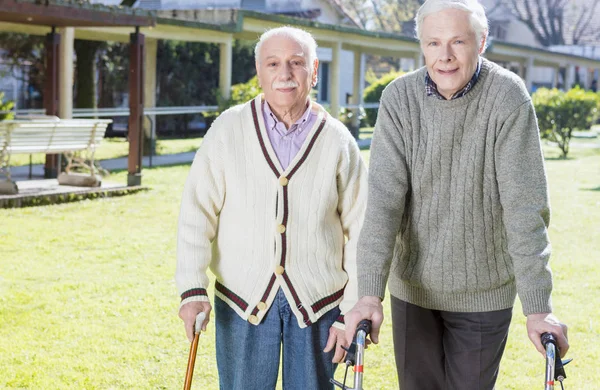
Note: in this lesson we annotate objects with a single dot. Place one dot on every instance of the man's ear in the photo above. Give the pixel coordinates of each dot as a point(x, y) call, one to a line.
point(483, 41)
point(315, 73)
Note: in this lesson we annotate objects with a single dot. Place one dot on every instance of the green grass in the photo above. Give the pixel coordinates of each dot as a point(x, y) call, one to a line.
point(118, 147)
point(87, 298)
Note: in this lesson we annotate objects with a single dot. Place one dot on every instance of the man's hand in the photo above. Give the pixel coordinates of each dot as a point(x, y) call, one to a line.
point(367, 308)
point(336, 340)
point(188, 313)
point(546, 322)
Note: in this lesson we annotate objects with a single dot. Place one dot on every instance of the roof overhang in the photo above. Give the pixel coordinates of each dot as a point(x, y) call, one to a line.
point(63, 13)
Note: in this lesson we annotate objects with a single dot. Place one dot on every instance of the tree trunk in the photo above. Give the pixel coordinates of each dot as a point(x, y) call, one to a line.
point(85, 83)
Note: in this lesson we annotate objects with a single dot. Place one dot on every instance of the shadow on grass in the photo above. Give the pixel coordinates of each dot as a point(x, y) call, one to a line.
point(559, 158)
point(597, 189)
point(178, 164)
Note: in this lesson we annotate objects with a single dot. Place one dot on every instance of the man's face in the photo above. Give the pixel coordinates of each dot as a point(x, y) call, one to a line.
point(284, 74)
point(451, 49)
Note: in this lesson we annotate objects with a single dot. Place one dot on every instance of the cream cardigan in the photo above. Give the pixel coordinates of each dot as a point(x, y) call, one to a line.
point(261, 228)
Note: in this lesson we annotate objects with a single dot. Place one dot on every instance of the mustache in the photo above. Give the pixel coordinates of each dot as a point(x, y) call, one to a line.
point(284, 84)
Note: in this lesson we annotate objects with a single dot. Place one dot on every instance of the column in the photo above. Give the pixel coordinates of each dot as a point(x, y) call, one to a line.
point(357, 92)
point(570, 77)
point(335, 67)
point(419, 60)
point(225, 61)
point(529, 74)
point(65, 82)
point(150, 95)
point(555, 78)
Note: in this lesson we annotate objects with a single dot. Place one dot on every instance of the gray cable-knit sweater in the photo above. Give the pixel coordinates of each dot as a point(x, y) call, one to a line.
point(458, 209)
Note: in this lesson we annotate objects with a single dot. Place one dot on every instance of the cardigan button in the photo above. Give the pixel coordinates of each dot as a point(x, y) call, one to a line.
point(283, 181)
point(279, 270)
point(261, 306)
point(281, 229)
point(253, 320)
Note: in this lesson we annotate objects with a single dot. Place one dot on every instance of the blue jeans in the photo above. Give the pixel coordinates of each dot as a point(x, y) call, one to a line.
point(248, 355)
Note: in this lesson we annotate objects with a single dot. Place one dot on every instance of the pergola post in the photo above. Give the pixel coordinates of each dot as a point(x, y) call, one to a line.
point(335, 79)
point(225, 60)
point(357, 92)
point(136, 107)
point(51, 96)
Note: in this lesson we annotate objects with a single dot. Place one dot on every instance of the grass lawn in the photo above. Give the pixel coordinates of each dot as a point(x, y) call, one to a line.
point(87, 298)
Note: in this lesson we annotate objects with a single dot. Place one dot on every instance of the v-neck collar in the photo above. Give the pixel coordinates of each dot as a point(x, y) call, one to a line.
point(256, 106)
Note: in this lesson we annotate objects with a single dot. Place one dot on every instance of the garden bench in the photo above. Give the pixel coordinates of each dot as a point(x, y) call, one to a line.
point(50, 135)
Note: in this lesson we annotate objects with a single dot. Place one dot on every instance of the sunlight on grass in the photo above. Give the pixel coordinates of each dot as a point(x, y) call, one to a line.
point(88, 301)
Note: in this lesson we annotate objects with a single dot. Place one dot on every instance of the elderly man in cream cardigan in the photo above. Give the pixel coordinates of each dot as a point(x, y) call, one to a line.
point(273, 205)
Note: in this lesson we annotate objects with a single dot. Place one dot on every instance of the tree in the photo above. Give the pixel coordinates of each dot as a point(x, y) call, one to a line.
point(557, 22)
point(383, 15)
point(85, 80)
point(560, 113)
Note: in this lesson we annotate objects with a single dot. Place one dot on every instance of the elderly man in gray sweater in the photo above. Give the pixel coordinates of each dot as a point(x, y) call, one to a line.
point(457, 210)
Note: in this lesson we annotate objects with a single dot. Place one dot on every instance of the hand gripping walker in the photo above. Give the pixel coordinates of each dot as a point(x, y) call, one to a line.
point(355, 356)
point(554, 365)
point(193, 349)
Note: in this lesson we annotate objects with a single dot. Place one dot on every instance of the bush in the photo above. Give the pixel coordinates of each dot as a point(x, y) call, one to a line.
point(240, 93)
point(560, 113)
point(372, 94)
point(6, 106)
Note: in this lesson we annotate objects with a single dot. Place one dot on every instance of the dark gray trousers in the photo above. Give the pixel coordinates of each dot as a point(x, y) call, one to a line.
point(441, 350)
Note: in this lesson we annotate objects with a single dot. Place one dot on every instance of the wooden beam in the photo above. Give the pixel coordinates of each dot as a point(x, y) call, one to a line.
point(136, 108)
point(51, 96)
point(70, 15)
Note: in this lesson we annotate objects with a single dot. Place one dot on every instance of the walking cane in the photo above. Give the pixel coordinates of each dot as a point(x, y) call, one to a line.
point(193, 349)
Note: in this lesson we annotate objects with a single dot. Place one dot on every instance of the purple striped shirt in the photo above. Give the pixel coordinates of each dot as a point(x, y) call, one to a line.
point(286, 143)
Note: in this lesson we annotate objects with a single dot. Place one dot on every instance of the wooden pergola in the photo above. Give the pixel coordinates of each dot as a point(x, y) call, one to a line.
point(44, 18)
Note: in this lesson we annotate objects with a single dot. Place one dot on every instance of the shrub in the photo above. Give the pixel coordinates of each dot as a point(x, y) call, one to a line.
point(240, 93)
point(372, 94)
point(6, 106)
point(560, 113)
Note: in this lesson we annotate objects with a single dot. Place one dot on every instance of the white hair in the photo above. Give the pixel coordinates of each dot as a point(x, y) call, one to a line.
point(477, 17)
point(302, 37)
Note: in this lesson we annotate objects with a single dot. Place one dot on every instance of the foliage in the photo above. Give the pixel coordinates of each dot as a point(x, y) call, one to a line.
point(382, 15)
point(25, 52)
point(188, 75)
point(6, 106)
point(240, 93)
point(113, 69)
point(560, 113)
point(372, 94)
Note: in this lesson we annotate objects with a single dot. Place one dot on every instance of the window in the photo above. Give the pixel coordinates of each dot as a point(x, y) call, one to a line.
point(498, 29)
point(323, 82)
point(256, 5)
